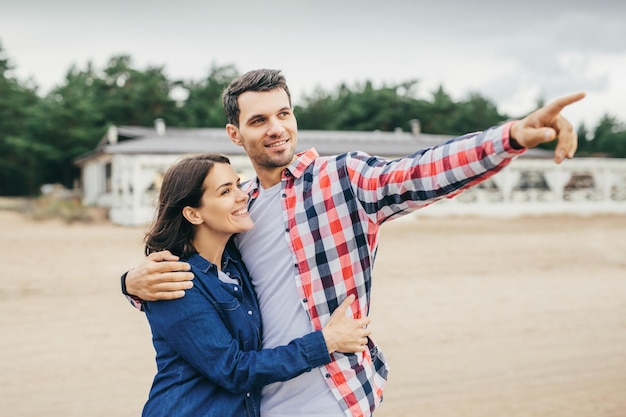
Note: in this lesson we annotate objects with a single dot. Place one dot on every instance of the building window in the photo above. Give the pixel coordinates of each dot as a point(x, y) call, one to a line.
point(107, 177)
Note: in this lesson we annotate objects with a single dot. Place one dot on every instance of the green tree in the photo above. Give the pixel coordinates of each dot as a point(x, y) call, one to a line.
point(609, 138)
point(438, 115)
point(20, 154)
point(203, 106)
point(391, 107)
point(584, 140)
point(474, 114)
point(70, 121)
point(40, 137)
point(364, 108)
point(134, 97)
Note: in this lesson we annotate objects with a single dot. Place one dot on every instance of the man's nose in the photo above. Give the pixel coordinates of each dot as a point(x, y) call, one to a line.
point(275, 127)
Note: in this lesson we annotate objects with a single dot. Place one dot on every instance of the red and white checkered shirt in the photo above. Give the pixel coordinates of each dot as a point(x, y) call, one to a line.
point(335, 206)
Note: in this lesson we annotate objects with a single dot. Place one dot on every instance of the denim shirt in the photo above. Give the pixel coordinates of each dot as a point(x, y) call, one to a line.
point(208, 347)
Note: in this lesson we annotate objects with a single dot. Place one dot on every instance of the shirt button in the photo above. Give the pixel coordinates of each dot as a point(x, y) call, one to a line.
point(247, 394)
point(284, 195)
point(250, 312)
point(235, 288)
point(304, 300)
point(327, 375)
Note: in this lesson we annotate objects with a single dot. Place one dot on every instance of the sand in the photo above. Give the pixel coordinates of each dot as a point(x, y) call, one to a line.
point(478, 317)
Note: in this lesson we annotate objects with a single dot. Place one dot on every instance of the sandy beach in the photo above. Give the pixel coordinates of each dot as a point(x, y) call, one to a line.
point(478, 318)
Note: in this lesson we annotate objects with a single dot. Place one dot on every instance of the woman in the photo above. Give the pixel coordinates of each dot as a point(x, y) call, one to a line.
point(208, 343)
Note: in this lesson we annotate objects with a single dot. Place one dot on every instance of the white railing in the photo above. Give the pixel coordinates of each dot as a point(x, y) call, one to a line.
point(526, 187)
point(581, 186)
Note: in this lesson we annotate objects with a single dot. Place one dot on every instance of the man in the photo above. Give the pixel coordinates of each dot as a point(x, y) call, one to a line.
point(317, 221)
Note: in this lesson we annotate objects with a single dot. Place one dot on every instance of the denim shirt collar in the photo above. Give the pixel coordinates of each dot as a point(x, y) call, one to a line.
point(204, 265)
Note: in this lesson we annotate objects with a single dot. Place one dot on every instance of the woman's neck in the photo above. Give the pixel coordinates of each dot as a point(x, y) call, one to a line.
point(210, 247)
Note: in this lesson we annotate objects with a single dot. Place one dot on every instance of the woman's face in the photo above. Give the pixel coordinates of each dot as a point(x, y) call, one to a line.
point(224, 206)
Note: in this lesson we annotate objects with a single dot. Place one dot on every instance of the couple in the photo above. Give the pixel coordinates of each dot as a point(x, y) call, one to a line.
point(313, 245)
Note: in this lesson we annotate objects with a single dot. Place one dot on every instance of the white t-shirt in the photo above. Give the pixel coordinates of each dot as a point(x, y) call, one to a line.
point(266, 252)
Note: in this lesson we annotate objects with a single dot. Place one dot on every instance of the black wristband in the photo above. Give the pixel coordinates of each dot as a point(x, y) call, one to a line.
point(514, 144)
point(124, 291)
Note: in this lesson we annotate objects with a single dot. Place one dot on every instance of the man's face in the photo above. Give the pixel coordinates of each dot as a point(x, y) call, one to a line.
point(268, 130)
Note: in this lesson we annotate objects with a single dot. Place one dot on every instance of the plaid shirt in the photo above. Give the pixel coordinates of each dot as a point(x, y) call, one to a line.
point(334, 207)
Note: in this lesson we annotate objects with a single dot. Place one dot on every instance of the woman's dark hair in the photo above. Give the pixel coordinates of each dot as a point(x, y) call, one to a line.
point(182, 186)
point(256, 80)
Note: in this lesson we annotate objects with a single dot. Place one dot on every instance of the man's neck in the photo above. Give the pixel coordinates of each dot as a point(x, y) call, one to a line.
point(268, 182)
point(268, 177)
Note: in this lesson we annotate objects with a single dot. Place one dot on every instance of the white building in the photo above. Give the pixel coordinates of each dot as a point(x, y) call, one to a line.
point(123, 173)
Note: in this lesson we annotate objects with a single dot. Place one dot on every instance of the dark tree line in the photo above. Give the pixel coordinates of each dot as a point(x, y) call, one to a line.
point(41, 135)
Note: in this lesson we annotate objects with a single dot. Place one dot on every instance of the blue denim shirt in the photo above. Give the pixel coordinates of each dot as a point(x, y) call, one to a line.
point(208, 347)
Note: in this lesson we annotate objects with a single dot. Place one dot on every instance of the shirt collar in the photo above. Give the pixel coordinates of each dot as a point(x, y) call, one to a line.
point(204, 265)
point(296, 169)
point(302, 162)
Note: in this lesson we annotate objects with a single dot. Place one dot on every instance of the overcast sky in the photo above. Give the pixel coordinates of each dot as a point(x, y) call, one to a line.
point(511, 52)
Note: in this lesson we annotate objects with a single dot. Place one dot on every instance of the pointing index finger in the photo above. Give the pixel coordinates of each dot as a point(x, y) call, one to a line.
point(559, 104)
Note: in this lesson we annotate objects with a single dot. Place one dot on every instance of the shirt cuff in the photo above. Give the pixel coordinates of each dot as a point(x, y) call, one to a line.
point(316, 349)
point(510, 145)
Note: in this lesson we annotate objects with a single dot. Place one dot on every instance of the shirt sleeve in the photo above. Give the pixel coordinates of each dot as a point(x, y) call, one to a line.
point(192, 328)
point(389, 188)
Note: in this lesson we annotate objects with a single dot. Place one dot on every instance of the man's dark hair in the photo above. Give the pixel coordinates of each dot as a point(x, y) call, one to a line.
point(256, 80)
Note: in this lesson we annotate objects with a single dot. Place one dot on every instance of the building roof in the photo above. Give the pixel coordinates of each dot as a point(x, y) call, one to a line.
point(135, 140)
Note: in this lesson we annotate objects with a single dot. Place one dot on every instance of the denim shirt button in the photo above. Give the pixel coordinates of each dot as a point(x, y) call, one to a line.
point(250, 312)
point(247, 394)
point(235, 288)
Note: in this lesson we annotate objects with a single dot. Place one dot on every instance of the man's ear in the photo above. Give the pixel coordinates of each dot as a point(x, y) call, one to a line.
point(233, 134)
point(192, 216)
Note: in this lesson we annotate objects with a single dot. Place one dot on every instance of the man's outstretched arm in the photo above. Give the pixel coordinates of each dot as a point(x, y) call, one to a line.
point(160, 276)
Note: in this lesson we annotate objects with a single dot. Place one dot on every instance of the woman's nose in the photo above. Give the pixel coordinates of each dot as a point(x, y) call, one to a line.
point(242, 195)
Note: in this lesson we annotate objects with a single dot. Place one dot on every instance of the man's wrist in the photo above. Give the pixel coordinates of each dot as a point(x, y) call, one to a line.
point(512, 141)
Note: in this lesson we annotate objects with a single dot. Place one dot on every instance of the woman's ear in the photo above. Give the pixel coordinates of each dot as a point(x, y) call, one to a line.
point(192, 216)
